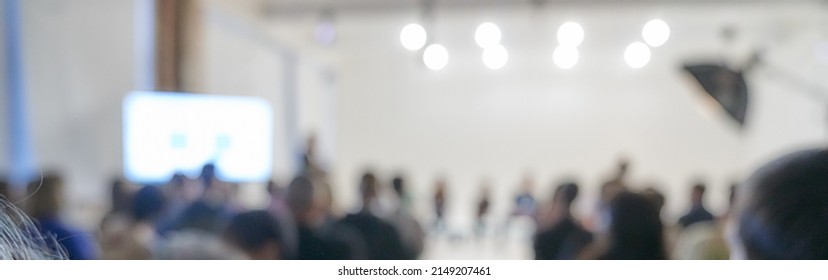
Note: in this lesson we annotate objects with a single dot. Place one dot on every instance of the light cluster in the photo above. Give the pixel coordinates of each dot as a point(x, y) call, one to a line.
point(570, 35)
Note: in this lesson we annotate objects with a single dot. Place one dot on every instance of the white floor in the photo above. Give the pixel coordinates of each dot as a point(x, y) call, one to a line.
point(513, 244)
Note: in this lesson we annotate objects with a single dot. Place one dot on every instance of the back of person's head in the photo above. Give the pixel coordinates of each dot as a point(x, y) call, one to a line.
point(655, 196)
point(20, 239)
point(399, 185)
point(698, 191)
point(300, 197)
point(566, 193)
point(636, 230)
point(43, 197)
point(201, 216)
point(121, 198)
point(257, 233)
point(272, 188)
point(208, 174)
point(368, 186)
point(782, 209)
point(148, 203)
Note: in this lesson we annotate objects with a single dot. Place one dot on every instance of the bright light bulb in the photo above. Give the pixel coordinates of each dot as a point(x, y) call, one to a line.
point(655, 33)
point(495, 57)
point(637, 55)
point(413, 37)
point(487, 35)
point(435, 57)
point(565, 57)
point(570, 34)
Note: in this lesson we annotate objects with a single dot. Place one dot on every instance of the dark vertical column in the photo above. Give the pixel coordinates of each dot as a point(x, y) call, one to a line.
point(171, 19)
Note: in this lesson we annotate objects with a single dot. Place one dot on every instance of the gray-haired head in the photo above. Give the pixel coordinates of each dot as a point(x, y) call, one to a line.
point(20, 239)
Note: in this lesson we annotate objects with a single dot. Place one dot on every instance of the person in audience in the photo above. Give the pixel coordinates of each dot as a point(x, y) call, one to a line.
point(525, 204)
point(564, 238)
point(278, 207)
point(482, 211)
point(440, 205)
point(20, 238)
point(118, 218)
point(403, 220)
point(180, 194)
point(781, 210)
point(257, 234)
point(656, 197)
point(304, 200)
point(44, 202)
point(382, 239)
point(140, 240)
point(619, 179)
point(635, 230)
point(697, 212)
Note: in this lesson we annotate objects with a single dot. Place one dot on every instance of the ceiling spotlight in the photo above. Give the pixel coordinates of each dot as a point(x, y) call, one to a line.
point(637, 55)
point(565, 57)
point(655, 32)
point(495, 57)
point(487, 35)
point(570, 34)
point(413, 37)
point(435, 57)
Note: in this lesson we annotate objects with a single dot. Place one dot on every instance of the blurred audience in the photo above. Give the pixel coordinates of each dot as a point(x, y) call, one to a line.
point(257, 234)
point(44, 203)
point(410, 230)
point(140, 240)
point(779, 213)
point(382, 239)
point(304, 200)
point(564, 238)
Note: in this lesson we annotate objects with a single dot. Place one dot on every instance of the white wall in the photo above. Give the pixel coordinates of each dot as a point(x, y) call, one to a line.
point(468, 122)
point(78, 59)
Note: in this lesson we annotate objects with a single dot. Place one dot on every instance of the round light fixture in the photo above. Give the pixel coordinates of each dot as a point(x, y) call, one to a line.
point(637, 55)
point(570, 34)
point(487, 35)
point(495, 57)
point(413, 37)
point(435, 57)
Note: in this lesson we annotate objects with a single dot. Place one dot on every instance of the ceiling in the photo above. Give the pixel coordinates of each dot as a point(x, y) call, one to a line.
point(294, 7)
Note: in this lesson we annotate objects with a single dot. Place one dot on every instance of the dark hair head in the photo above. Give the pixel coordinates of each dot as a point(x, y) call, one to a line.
point(699, 188)
point(300, 194)
point(252, 230)
point(200, 215)
point(120, 195)
point(208, 173)
point(636, 231)
point(782, 209)
point(567, 193)
point(399, 185)
point(655, 196)
point(368, 186)
point(148, 203)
